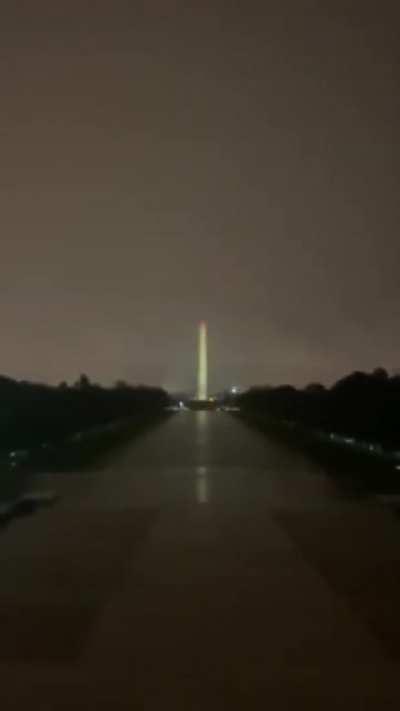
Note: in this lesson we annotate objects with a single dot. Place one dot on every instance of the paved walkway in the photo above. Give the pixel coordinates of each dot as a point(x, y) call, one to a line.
point(205, 567)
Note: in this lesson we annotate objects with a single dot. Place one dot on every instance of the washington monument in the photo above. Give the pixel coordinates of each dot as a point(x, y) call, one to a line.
point(202, 363)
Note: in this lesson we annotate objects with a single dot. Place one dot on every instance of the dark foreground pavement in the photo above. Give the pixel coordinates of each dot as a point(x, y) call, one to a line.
point(205, 567)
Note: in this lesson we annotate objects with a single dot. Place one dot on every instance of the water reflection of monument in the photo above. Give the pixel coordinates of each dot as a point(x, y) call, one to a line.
point(202, 401)
point(201, 485)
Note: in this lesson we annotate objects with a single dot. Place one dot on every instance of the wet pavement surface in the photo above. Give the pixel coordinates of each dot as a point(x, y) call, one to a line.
point(204, 566)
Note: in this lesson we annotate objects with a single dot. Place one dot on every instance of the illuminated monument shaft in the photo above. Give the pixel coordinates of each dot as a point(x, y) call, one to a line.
point(202, 365)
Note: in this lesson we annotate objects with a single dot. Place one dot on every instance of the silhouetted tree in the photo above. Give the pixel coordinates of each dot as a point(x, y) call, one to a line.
point(31, 413)
point(83, 382)
point(364, 405)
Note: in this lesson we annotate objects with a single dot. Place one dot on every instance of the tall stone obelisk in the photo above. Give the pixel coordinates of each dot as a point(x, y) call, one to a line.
point(202, 363)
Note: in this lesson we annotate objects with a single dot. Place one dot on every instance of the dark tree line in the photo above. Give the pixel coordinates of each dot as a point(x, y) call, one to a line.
point(32, 413)
point(361, 405)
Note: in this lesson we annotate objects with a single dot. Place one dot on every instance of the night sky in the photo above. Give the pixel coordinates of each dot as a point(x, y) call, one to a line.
point(165, 162)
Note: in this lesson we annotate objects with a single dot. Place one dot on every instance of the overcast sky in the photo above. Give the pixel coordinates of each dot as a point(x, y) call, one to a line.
point(165, 162)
